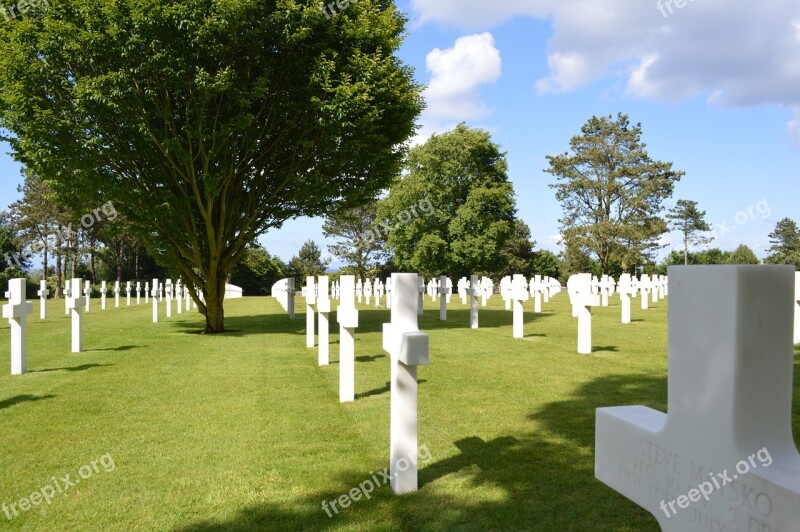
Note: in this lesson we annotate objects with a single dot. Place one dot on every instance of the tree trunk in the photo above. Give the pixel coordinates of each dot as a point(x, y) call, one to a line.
point(120, 255)
point(686, 251)
point(59, 270)
point(136, 262)
point(92, 258)
point(214, 293)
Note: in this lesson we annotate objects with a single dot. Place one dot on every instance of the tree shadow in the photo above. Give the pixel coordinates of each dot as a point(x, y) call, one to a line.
point(369, 358)
point(541, 478)
point(8, 403)
point(82, 367)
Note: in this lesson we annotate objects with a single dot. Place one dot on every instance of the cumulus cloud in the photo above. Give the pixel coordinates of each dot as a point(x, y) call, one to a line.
point(733, 52)
point(457, 74)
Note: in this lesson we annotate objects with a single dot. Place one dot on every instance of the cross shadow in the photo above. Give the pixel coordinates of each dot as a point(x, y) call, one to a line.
point(608, 348)
point(382, 390)
point(82, 367)
point(120, 348)
point(11, 401)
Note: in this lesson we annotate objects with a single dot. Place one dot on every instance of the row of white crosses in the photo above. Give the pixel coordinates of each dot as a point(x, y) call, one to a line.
point(729, 401)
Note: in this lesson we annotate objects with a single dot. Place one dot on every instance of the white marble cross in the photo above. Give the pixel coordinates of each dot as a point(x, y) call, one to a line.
point(103, 290)
point(579, 287)
point(448, 284)
point(488, 289)
point(644, 290)
point(43, 292)
point(76, 303)
point(168, 293)
point(179, 296)
point(311, 300)
point(116, 294)
point(128, 292)
point(606, 289)
point(519, 294)
point(473, 291)
point(290, 294)
point(155, 293)
point(138, 292)
point(359, 289)
point(723, 458)
point(506, 291)
point(442, 291)
point(408, 348)
point(67, 294)
point(626, 291)
point(323, 312)
point(368, 291)
point(146, 292)
point(87, 292)
point(16, 312)
point(536, 289)
point(462, 286)
point(347, 316)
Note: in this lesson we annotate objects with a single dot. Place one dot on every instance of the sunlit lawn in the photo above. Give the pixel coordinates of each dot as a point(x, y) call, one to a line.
point(245, 431)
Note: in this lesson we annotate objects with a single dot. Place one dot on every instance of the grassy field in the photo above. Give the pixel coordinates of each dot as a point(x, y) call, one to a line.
point(245, 431)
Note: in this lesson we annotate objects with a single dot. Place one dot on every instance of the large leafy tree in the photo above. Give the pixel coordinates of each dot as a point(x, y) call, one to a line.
point(611, 192)
point(785, 240)
point(360, 240)
point(208, 122)
point(462, 176)
point(690, 221)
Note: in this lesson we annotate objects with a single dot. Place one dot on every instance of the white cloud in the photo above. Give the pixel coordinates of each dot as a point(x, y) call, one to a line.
point(457, 74)
point(734, 52)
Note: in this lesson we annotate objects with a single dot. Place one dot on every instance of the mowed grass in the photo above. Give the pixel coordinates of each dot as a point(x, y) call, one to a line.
point(245, 431)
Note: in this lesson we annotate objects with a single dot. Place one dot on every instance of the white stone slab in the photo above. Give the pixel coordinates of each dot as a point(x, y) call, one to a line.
point(311, 300)
point(724, 457)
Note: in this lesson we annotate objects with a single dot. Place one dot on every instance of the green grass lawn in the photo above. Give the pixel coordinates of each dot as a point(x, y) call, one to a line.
point(245, 431)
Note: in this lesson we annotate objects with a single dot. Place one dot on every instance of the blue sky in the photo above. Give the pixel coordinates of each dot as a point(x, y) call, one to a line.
point(715, 85)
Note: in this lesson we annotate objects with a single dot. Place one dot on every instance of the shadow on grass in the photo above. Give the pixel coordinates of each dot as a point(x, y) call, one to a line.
point(120, 348)
point(608, 348)
point(533, 480)
point(82, 367)
point(370, 321)
point(12, 401)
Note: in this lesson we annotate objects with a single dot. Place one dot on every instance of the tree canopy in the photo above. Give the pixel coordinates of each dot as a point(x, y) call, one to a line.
point(453, 210)
point(611, 192)
point(785, 240)
point(208, 123)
